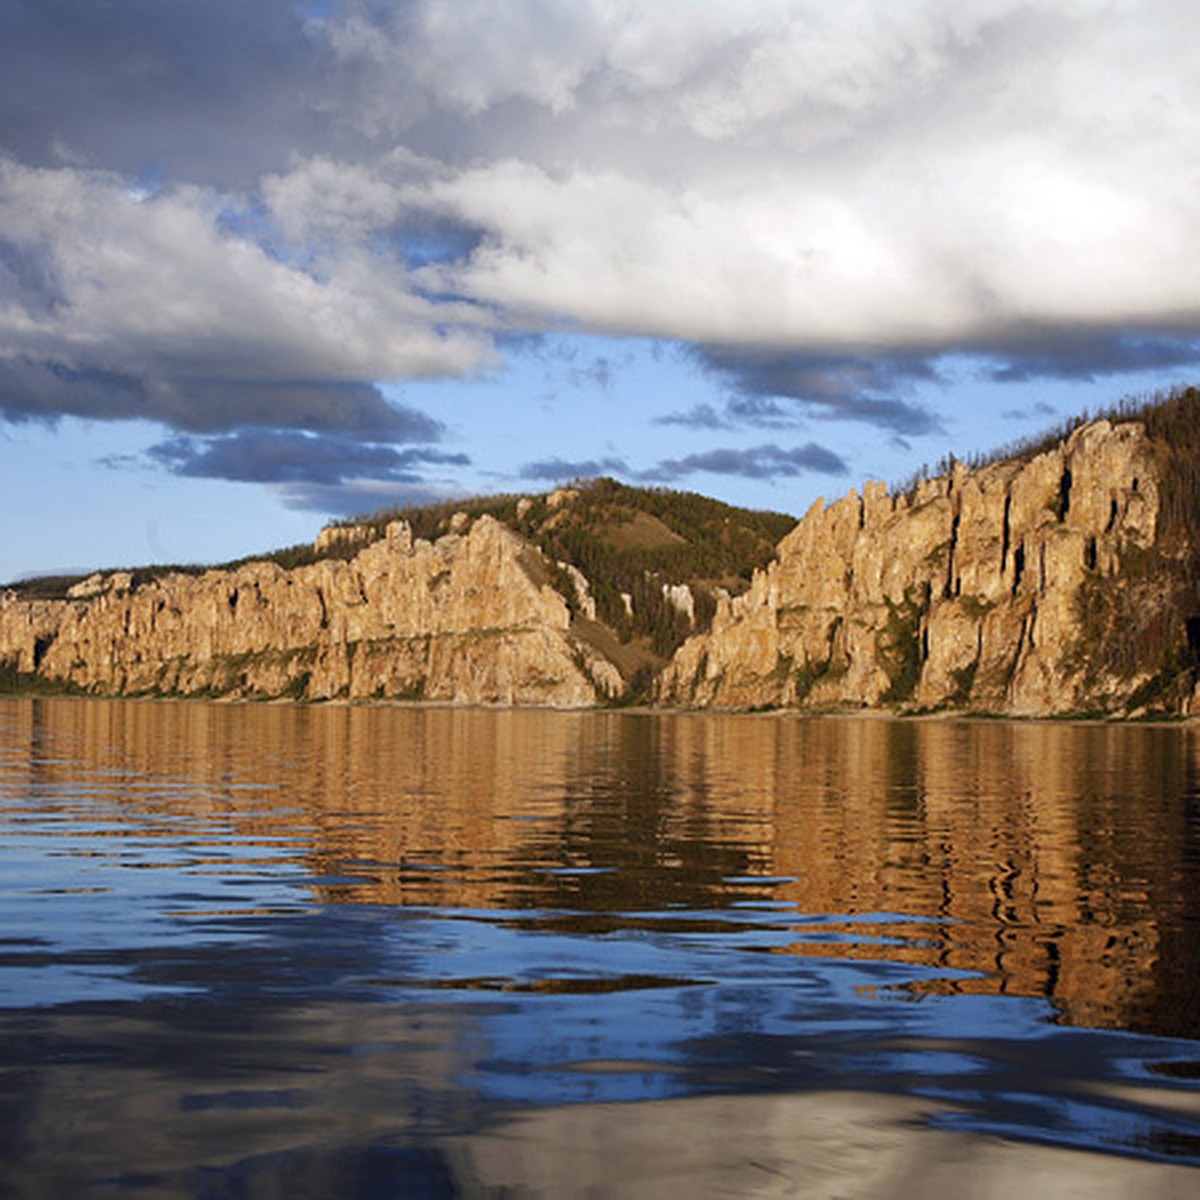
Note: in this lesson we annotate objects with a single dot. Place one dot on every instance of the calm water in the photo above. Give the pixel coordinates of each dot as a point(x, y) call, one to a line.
point(253, 951)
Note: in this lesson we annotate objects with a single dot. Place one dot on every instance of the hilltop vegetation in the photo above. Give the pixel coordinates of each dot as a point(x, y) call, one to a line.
point(1108, 621)
point(628, 542)
point(56, 587)
point(1172, 421)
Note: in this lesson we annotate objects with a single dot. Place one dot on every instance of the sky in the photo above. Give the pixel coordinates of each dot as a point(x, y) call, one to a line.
point(267, 265)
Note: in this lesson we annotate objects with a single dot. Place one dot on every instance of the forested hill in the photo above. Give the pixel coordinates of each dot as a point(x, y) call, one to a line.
point(627, 541)
point(636, 571)
point(1059, 576)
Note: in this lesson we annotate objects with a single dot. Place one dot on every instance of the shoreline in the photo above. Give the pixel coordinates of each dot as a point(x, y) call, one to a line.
point(851, 714)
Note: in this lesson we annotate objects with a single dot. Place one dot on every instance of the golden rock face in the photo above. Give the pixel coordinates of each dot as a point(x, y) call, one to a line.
point(460, 620)
point(963, 594)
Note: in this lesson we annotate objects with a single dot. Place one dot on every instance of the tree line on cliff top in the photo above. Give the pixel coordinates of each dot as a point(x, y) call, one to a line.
point(1149, 626)
point(632, 543)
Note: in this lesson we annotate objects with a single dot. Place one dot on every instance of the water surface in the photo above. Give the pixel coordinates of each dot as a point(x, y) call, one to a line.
point(260, 951)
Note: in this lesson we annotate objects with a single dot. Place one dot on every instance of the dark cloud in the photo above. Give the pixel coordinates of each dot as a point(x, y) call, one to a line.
point(1040, 409)
point(699, 416)
point(260, 456)
point(45, 390)
point(763, 412)
point(757, 462)
point(358, 497)
point(558, 469)
point(1088, 356)
point(219, 91)
point(356, 410)
point(775, 390)
point(36, 390)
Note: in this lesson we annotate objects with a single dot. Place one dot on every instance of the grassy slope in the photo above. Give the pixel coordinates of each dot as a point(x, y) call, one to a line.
point(635, 540)
point(624, 539)
point(630, 541)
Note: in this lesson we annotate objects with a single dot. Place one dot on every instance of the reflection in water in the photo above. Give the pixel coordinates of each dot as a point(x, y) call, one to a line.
point(328, 949)
point(1038, 859)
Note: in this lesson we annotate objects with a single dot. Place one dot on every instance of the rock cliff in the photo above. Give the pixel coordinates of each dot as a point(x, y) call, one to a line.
point(1039, 585)
point(470, 618)
point(970, 592)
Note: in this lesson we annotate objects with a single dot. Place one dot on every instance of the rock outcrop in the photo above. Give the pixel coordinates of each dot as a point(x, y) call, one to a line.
point(468, 619)
point(965, 593)
point(1038, 585)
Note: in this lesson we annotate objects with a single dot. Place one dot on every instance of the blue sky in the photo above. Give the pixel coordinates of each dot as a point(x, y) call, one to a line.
point(266, 265)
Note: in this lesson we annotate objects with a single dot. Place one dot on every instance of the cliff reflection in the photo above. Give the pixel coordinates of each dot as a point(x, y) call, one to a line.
point(1055, 860)
point(1042, 860)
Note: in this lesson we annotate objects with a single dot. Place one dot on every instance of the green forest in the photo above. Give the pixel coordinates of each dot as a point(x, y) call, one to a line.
point(628, 541)
point(635, 544)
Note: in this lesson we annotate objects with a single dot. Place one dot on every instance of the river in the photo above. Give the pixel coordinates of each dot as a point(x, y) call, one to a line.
point(306, 951)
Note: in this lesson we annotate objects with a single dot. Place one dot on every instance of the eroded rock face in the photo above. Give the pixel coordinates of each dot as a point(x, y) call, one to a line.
point(468, 619)
point(964, 594)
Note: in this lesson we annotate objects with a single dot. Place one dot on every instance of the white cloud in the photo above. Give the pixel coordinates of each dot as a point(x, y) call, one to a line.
point(807, 174)
point(712, 68)
point(325, 202)
point(1014, 238)
point(780, 175)
point(161, 278)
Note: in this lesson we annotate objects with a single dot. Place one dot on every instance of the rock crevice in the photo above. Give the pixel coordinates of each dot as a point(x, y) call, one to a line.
point(467, 619)
point(1017, 588)
point(963, 593)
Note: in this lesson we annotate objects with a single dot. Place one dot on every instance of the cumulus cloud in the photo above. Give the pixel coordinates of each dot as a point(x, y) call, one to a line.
point(829, 178)
point(261, 456)
point(712, 70)
point(755, 462)
point(220, 209)
point(118, 302)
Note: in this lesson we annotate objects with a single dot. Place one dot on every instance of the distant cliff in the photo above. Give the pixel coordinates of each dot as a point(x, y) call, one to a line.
point(1063, 579)
point(563, 600)
point(1034, 586)
point(470, 618)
